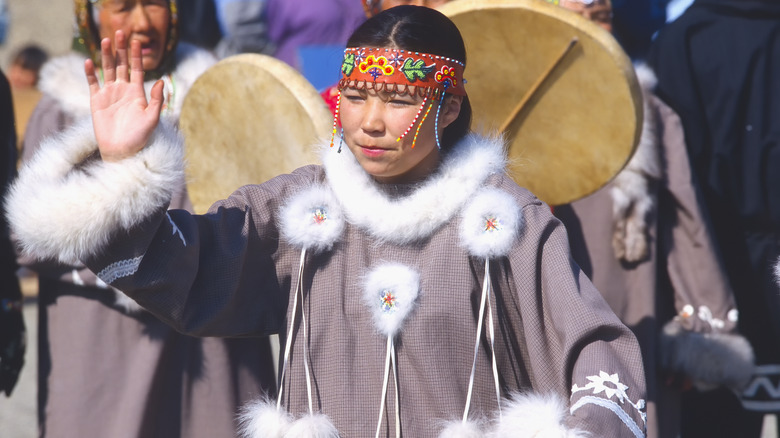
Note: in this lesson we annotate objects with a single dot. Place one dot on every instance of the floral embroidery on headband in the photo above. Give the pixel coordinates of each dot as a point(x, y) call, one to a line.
point(376, 66)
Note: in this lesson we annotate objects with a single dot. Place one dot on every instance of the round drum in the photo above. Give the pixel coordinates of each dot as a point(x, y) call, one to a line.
point(245, 120)
point(572, 118)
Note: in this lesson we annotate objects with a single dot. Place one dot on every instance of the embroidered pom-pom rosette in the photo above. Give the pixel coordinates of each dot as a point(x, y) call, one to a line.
point(401, 71)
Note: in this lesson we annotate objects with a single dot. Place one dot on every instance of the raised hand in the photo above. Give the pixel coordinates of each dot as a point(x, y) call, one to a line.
point(122, 117)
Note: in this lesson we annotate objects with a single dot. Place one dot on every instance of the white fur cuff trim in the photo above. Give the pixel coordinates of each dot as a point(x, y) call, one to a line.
point(490, 224)
point(459, 429)
point(312, 220)
point(391, 294)
point(60, 211)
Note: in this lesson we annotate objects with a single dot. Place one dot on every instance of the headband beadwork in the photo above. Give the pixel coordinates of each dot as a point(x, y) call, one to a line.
point(396, 70)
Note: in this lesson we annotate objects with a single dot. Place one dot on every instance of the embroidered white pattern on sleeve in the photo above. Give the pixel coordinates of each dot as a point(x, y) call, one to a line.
point(176, 229)
point(610, 385)
point(120, 269)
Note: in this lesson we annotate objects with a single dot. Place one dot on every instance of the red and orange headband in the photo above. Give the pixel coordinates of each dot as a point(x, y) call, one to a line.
point(395, 70)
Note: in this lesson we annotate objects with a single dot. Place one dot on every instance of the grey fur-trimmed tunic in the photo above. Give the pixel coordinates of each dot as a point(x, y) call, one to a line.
point(235, 272)
point(106, 367)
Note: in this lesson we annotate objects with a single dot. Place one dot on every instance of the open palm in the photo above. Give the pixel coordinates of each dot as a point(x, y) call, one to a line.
point(123, 119)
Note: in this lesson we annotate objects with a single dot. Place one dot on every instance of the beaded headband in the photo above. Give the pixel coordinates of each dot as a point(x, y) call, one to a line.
point(395, 70)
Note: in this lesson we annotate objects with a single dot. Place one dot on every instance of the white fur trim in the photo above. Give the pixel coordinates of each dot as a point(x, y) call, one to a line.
point(312, 219)
point(63, 79)
point(632, 198)
point(463, 171)
point(535, 416)
point(490, 224)
point(459, 429)
point(261, 419)
point(777, 271)
point(59, 211)
point(710, 359)
point(312, 426)
point(391, 294)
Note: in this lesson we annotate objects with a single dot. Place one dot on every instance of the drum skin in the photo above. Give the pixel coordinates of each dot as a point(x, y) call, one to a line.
point(581, 125)
point(247, 119)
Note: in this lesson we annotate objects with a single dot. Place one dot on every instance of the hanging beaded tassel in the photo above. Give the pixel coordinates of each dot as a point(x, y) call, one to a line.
point(414, 121)
point(336, 123)
point(425, 116)
point(438, 111)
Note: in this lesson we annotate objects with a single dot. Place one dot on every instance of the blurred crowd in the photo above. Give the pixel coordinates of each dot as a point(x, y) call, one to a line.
point(683, 244)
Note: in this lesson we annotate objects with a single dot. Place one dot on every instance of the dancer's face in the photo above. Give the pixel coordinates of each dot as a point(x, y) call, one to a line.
point(374, 120)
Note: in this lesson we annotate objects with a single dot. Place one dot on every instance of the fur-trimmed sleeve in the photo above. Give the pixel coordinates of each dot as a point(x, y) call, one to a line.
point(67, 203)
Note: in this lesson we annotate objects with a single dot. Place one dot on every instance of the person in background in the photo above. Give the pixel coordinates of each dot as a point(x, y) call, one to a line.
point(718, 67)
point(13, 337)
point(107, 368)
point(244, 28)
point(647, 244)
point(296, 23)
point(26, 66)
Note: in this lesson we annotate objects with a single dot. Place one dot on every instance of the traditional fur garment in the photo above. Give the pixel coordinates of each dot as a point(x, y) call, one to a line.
point(374, 278)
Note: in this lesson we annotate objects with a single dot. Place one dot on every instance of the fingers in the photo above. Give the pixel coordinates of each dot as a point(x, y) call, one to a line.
point(136, 63)
point(121, 56)
point(107, 59)
point(155, 100)
point(92, 80)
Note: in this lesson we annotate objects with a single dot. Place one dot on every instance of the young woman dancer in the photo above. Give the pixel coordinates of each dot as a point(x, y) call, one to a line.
point(417, 289)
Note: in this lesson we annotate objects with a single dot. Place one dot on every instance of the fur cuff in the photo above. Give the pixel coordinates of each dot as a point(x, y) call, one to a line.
point(777, 271)
point(66, 204)
point(534, 415)
point(709, 359)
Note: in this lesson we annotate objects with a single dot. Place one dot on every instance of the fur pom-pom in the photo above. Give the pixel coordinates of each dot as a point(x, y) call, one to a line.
point(261, 419)
point(490, 224)
point(312, 219)
point(391, 295)
point(65, 204)
point(709, 359)
point(312, 426)
point(535, 416)
point(459, 429)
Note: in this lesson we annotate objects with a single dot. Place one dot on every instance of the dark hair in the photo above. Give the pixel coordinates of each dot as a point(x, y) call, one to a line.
point(419, 29)
point(30, 57)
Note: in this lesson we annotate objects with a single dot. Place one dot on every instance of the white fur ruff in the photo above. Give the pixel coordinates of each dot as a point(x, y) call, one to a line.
point(261, 419)
point(535, 416)
point(459, 429)
point(59, 212)
point(434, 203)
point(490, 224)
point(709, 359)
point(312, 220)
point(391, 295)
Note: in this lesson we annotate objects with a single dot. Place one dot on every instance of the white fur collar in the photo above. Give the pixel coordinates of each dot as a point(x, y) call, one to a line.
point(63, 78)
point(416, 216)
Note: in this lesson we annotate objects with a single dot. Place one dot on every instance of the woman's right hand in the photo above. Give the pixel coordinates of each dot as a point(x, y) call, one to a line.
point(122, 118)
